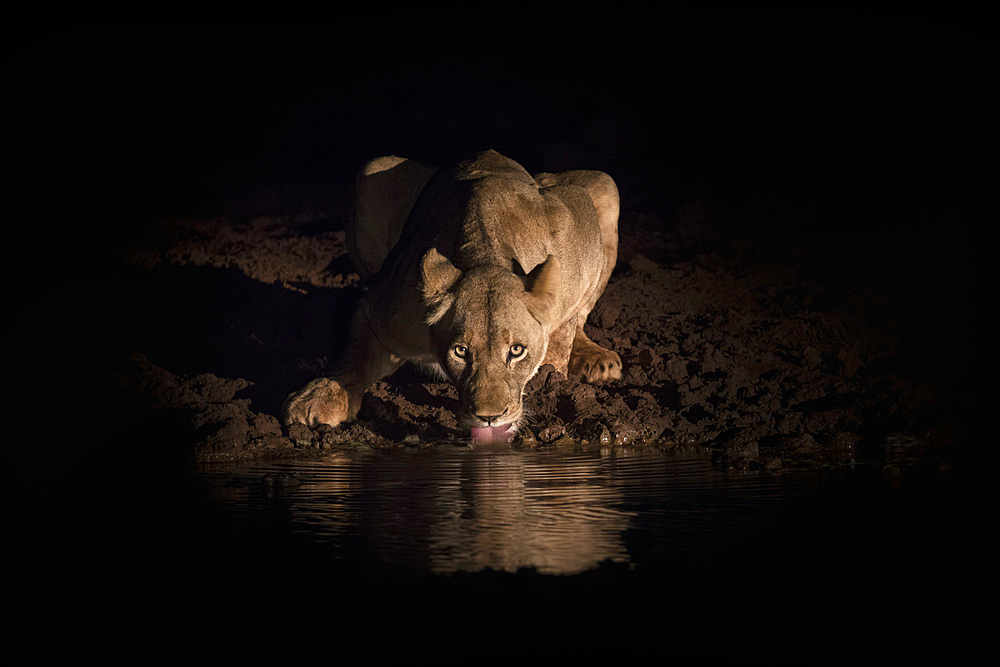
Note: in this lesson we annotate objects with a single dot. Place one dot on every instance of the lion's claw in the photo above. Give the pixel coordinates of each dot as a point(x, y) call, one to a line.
point(596, 364)
point(321, 401)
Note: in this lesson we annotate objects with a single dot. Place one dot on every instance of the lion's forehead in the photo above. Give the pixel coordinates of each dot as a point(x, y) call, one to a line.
point(490, 331)
point(491, 308)
point(490, 313)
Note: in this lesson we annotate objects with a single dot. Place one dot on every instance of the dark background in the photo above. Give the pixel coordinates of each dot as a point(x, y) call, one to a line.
point(862, 137)
point(870, 123)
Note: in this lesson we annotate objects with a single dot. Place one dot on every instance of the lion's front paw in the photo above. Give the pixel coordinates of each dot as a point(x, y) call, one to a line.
point(322, 401)
point(595, 363)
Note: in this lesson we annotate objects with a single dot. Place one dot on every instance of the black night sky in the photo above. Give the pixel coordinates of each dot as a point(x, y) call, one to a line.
point(865, 120)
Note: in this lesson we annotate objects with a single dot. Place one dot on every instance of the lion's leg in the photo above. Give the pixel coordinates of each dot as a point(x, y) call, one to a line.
point(593, 362)
point(385, 190)
point(336, 399)
point(560, 346)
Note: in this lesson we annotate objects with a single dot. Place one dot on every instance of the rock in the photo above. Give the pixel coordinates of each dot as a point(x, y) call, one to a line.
point(648, 357)
point(623, 432)
point(526, 437)
point(677, 369)
point(605, 314)
point(636, 376)
point(551, 432)
point(265, 424)
point(595, 432)
point(300, 433)
point(642, 264)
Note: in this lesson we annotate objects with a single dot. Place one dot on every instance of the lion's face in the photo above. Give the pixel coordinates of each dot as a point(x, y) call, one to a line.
point(490, 335)
point(490, 347)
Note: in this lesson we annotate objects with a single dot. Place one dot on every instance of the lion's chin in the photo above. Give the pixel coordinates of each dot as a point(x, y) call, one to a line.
point(489, 434)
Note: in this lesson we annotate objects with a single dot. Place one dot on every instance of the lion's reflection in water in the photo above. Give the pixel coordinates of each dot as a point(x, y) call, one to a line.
point(558, 516)
point(471, 511)
point(445, 509)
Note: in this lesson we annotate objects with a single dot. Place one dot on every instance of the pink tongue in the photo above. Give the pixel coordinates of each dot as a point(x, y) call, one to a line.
point(491, 433)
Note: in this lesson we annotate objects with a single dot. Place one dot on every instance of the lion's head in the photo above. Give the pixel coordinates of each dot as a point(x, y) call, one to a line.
point(490, 331)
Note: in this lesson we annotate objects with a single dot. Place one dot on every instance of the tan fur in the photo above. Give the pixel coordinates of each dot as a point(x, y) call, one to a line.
point(480, 269)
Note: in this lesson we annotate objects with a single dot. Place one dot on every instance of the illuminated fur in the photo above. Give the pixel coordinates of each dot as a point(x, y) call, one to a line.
point(480, 269)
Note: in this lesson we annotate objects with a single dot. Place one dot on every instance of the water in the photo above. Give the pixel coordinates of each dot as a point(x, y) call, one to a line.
point(454, 510)
point(650, 538)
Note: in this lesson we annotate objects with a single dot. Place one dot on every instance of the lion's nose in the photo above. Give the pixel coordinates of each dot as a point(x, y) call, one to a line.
point(489, 419)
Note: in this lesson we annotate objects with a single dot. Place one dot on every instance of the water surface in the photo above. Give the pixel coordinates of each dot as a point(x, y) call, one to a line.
point(447, 532)
point(447, 509)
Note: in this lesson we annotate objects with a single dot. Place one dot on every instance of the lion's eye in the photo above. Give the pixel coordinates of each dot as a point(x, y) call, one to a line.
point(460, 351)
point(516, 351)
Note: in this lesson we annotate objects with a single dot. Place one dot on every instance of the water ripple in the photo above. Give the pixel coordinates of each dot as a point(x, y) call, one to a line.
point(445, 509)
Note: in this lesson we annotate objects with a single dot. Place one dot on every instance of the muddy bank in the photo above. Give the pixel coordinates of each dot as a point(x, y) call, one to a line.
point(773, 355)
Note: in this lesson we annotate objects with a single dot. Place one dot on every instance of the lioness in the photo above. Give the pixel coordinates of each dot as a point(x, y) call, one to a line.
point(479, 271)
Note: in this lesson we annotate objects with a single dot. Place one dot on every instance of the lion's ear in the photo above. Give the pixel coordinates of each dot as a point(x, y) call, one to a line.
point(438, 275)
point(542, 285)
